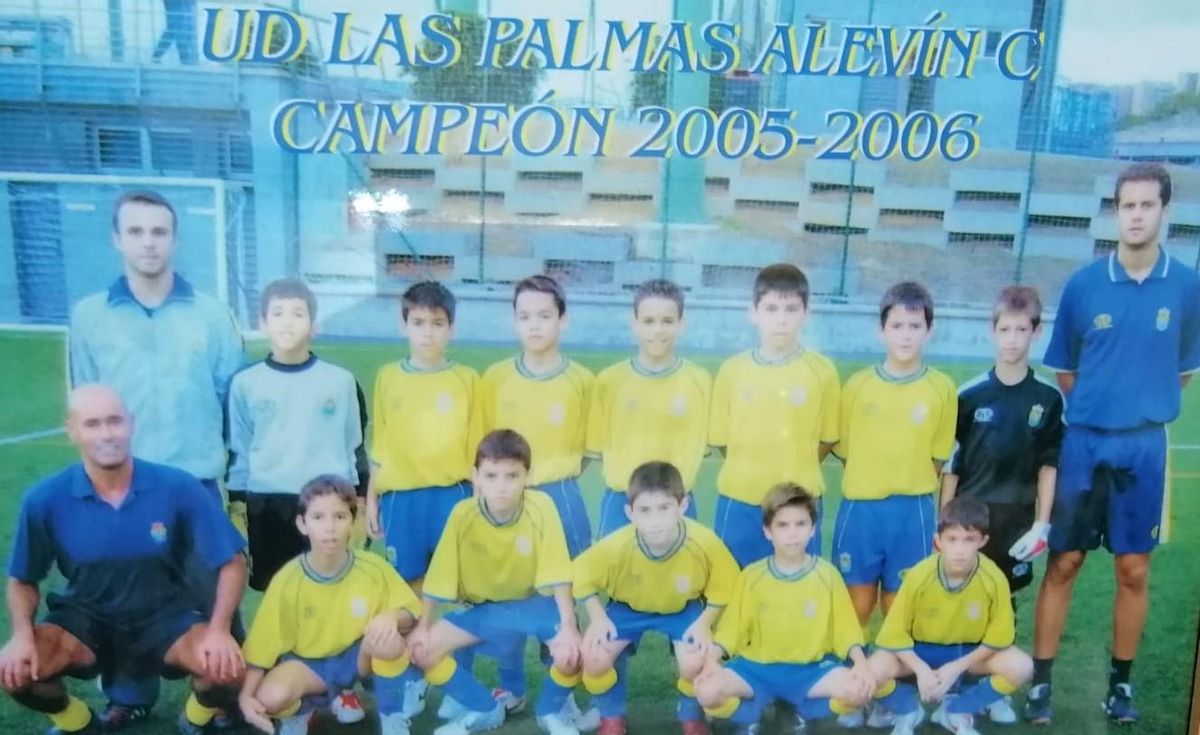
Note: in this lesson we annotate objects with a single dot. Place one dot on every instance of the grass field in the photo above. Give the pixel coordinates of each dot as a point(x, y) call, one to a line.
point(32, 396)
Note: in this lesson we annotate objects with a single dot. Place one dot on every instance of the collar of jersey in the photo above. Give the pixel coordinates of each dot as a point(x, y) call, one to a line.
point(887, 377)
point(800, 573)
point(670, 369)
point(492, 519)
point(1029, 375)
point(525, 372)
point(284, 367)
point(319, 578)
point(669, 552)
point(963, 585)
point(181, 290)
point(756, 355)
point(407, 366)
point(1117, 272)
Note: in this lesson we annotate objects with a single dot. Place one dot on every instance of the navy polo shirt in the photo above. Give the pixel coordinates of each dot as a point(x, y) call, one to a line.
point(126, 563)
point(1129, 342)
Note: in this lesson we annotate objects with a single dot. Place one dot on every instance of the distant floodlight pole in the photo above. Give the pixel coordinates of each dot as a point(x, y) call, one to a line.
point(683, 179)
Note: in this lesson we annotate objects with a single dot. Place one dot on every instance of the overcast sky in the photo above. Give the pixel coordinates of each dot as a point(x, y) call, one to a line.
point(1124, 41)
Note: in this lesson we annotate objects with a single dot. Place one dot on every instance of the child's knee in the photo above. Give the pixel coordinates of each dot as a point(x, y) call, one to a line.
point(710, 692)
point(275, 696)
point(690, 665)
point(1015, 665)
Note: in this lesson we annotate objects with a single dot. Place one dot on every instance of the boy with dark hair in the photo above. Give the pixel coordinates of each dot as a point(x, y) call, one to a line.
point(951, 617)
point(330, 617)
point(651, 407)
point(774, 414)
point(789, 629)
point(897, 430)
point(503, 553)
point(664, 573)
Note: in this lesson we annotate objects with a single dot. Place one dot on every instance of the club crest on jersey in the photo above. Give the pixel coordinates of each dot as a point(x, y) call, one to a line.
point(390, 553)
point(747, 395)
point(844, 561)
point(524, 545)
point(798, 396)
point(1035, 415)
point(1154, 532)
point(1103, 321)
point(1163, 320)
point(973, 611)
point(919, 413)
point(263, 409)
point(1021, 570)
point(158, 531)
point(683, 583)
point(445, 402)
point(679, 405)
point(810, 609)
point(557, 415)
point(358, 607)
point(984, 415)
point(328, 407)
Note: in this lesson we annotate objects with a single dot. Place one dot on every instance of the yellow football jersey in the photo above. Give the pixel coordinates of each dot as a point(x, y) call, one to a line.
point(796, 618)
point(619, 565)
point(893, 430)
point(550, 411)
point(480, 560)
point(927, 611)
point(313, 617)
point(425, 425)
point(772, 418)
point(638, 417)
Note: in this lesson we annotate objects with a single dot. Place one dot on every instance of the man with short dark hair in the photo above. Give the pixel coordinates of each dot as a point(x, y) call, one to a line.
point(1126, 339)
point(169, 352)
point(122, 531)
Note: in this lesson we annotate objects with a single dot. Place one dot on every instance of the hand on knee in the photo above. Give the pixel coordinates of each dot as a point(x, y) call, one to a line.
point(596, 664)
point(709, 692)
point(566, 664)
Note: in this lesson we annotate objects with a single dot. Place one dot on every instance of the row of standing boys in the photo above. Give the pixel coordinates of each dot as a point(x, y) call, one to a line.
point(790, 623)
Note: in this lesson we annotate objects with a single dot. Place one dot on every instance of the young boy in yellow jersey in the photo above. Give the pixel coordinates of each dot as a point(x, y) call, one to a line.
point(774, 414)
point(952, 617)
point(789, 629)
point(504, 555)
point(897, 431)
point(651, 407)
point(330, 617)
point(665, 573)
point(425, 422)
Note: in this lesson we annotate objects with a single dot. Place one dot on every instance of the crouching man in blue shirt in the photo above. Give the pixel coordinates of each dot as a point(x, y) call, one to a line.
point(120, 530)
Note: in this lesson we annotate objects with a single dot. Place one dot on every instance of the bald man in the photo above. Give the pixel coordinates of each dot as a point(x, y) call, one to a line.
point(120, 529)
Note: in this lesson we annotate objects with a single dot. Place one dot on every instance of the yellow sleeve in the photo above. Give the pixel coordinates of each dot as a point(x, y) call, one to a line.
point(846, 410)
point(896, 633)
point(1002, 626)
point(475, 428)
point(831, 406)
point(719, 413)
point(597, 415)
point(441, 579)
point(398, 594)
point(378, 417)
point(271, 635)
point(731, 626)
point(722, 575)
point(943, 438)
point(553, 562)
point(488, 389)
point(590, 572)
point(847, 633)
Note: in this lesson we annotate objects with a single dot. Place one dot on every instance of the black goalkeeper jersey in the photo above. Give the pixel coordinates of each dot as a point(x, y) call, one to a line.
point(1005, 433)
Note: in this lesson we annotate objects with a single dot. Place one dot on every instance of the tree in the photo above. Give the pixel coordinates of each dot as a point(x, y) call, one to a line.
point(465, 82)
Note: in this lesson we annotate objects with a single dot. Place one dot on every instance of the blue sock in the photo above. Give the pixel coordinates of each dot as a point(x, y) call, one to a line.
point(468, 692)
point(389, 690)
point(974, 699)
point(750, 711)
point(612, 702)
point(552, 697)
point(510, 665)
point(903, 700)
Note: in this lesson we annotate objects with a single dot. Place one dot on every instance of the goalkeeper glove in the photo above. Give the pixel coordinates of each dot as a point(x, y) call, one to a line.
point(1032, 544)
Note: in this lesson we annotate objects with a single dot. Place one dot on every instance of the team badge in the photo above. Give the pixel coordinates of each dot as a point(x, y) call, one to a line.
point(328, 407)
point(264, 409)
point(507, 407)
point(810, 609)
point(358, 607)
point(1154, 532)
point(747, 395)
point(631, 404)
point(973, 611)
point(870, 409)
point(798, 396)
point(844, 561)
point(198, 346)
point(558, 414)
point(445, 402)
point(1035, 415)
point(1021, 570)
point(683, 583)
point(679, 406)
point(919, 412)
point(158, 531)
point(984, 415)
point(1103, 321)
point(524, 545)
point(1163, 319)
point(390, 553)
